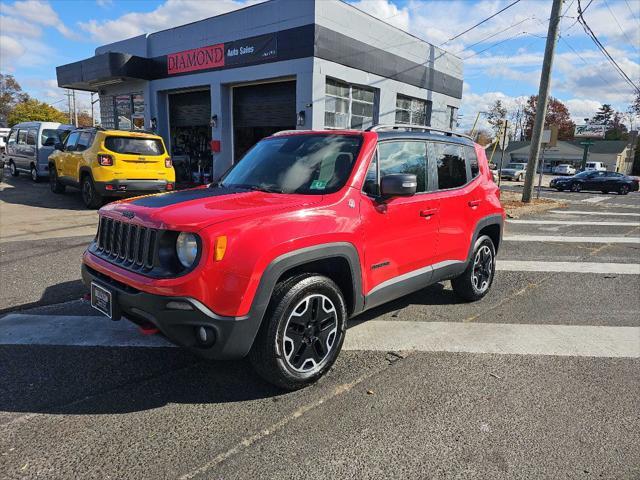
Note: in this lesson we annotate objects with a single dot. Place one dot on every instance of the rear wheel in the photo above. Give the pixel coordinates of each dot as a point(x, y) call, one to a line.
point(13, 169)
point(54, 181)
point(623, 190)
point(605, 191)
point(576, 187)
point(34, 174)
point(475, 281)
point(302, 332)
point(90, 197)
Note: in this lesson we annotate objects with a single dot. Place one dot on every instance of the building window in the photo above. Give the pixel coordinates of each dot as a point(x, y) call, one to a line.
point(452, 117)
point(348, 106)
point(413, 111)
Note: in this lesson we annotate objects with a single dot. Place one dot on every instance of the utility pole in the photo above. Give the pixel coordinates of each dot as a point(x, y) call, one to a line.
point(68, 94)
point(75, 110)
point(543, 100)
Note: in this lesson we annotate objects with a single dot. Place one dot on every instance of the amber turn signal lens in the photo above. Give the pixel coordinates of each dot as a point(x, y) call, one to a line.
point(220, 248)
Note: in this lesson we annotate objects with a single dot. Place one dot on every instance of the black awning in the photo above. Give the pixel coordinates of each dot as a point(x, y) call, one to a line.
point(106, 69)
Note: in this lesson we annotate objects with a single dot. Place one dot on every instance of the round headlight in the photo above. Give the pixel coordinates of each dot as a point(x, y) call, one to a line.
point(187, 248)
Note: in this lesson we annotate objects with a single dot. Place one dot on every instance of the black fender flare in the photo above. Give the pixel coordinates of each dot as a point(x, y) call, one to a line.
point(277, 268)
point(82, 171)
point(495, 219)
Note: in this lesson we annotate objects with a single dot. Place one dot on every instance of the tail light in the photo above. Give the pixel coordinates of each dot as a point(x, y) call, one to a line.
point(105, 160)
point(168, 163)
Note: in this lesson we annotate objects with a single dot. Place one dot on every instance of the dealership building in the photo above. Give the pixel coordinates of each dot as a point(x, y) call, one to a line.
point(214, 87)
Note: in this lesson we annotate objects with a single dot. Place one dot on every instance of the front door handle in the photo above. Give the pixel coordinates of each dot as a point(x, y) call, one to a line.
point(429, 212)
point(474, 203)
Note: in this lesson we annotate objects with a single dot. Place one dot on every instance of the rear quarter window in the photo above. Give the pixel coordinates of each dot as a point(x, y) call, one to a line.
point(134, 146)
point(472, 160)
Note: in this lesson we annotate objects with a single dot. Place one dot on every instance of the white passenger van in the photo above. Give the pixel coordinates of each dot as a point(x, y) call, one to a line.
point(595, 166)
point(29, 145)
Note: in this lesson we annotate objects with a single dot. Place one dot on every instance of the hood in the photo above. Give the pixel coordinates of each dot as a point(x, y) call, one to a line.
point(198, 208)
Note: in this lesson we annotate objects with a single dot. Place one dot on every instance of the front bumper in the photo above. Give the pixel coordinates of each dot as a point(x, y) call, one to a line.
point(128, 187)
point(233, 336)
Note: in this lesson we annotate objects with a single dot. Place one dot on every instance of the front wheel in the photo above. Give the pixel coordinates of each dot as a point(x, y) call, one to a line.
point(54, 181)
point(475, 281)
point(302, 332)
point(90, 197)
point(623, 190)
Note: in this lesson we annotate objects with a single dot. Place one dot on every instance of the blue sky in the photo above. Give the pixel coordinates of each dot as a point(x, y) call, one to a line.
point(502, 57)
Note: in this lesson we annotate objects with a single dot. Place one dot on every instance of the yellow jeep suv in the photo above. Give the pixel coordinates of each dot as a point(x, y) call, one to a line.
point(110, 163)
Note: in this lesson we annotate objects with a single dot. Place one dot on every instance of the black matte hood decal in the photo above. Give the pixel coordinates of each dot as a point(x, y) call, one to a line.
point(172, 198)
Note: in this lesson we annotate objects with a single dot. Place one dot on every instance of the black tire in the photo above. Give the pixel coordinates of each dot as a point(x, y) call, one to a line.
point(54, 182)
point(623, 189)
point(476, 280)
point(560, 189)
point(34, 174)
point(13, 169)
point(90, 197)
point(605, 191)
point(319, 307)
point(576, 187)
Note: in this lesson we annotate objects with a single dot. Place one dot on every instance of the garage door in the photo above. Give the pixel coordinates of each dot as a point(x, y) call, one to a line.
point(191, 108)
point(259, 111)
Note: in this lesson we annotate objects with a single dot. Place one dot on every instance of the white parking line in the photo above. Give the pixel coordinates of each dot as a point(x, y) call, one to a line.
point(596, 199)
point(376, 335)
point(567, 340)
point(573, 222)
point(565, 239)
point(568, 267)
point(591, 212)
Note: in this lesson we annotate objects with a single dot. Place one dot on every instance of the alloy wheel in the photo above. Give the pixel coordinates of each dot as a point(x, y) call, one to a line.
point(310, 334)
point(34, 175)
point(482, 269)
point(12, 169)
point(87, 192)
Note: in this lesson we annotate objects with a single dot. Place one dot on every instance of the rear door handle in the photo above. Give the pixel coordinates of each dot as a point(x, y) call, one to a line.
point(474, 203)
point(429, 212)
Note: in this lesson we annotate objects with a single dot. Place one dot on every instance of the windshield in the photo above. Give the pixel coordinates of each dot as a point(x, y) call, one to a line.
point(517, 166)
point(57, 135)
point(134, 146)
point(307, 164)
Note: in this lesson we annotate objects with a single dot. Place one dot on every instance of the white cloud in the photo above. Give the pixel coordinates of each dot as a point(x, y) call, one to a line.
point(104, 3)
point(10, 49)
point(386, 11)
point(40, 13)
point(170, 14)
point(13, 26)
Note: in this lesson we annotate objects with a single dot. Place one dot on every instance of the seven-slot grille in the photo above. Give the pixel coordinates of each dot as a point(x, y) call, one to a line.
point(131, 245)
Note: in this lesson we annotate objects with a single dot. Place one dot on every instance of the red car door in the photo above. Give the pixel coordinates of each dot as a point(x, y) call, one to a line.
point(400, 235)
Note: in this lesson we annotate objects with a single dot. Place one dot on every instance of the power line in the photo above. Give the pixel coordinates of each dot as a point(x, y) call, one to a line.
point(480, 23)
point(631, 11)
point(501, 42)
point(494, 34)
point(618, 23)
point(601, 47)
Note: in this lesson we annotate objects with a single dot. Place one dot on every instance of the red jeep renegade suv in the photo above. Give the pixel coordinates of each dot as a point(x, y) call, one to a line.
point(309, 229)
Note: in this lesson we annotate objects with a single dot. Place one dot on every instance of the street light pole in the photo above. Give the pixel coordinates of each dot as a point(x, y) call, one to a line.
point(543, 100)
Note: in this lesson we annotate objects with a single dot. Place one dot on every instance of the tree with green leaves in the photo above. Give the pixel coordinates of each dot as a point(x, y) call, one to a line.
point(10, 95)
point(34, 110)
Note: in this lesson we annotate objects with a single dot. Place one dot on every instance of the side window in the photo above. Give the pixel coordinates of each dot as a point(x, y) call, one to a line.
point(70, 144)
point(84, 141)
point(472, 160)
point(12, 136)
point(22, 137)
point(405, 157)
point(452, 171)
point(31, 137)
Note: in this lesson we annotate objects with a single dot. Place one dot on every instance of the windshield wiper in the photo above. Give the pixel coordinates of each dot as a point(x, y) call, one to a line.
point(257, 188)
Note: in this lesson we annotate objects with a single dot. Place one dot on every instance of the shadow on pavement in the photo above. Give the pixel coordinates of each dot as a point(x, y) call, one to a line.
point(90, 380)
point(61, 292)
point(22, 190)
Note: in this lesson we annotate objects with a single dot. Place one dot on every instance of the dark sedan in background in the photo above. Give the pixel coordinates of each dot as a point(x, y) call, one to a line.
point(604, 182)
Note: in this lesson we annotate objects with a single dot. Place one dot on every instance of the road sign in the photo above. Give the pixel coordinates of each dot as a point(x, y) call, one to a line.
point(590, 131)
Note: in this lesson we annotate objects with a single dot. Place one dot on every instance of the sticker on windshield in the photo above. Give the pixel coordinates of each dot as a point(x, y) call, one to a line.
point(318, 185)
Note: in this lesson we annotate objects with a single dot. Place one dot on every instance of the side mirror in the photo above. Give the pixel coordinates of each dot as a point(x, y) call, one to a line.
point(398, 185)
point(59, 146)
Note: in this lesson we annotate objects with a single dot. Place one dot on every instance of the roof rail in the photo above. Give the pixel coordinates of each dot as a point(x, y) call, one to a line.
point(402, 126)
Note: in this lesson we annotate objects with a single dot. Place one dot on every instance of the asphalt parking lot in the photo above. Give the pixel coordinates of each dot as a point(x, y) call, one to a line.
point(540, 379)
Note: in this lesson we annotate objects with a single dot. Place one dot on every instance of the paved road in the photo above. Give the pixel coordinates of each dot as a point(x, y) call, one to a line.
point(540, 379)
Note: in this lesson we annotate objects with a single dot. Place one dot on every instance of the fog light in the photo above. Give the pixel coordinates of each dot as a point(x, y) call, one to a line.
point(110, 187)
point(205, 336)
